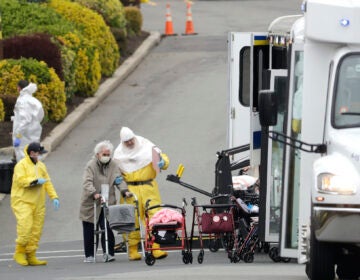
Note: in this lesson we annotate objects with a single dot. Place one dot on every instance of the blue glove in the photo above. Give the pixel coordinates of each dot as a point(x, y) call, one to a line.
point(56, 204)
point(161, 163)
point(41, 181)
point(17, 142)
point(118, 180)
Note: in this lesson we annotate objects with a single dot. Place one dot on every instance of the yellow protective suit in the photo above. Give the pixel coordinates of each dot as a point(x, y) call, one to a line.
point(28, 202)
point(143, 193)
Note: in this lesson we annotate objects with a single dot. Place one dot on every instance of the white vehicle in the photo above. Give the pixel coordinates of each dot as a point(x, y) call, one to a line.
point(302, 82)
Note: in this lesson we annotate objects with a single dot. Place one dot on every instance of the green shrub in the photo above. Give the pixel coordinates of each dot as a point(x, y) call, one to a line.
point(28, 18)
point(95, 31)
point(35, 1)
point(114, 15)
point(9, 104)
point(87, 81)
point(111, 10)
point(127, 3)
point(51, 91)
point(2, 111)
point(10, 74)
point(134, 19)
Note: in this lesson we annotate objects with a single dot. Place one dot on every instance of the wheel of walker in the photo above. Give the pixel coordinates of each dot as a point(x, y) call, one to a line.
point(149, 259)
point(186, 258)
point(190, 257)
point(236, 258)
point(231, 256)
point(201, 256)
point(214, 245)
point(227, 241)
point(274, 254)
point(248, 257)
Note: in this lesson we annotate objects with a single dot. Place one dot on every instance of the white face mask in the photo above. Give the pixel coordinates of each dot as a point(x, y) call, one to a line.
point(104, 159)
point(39, 157)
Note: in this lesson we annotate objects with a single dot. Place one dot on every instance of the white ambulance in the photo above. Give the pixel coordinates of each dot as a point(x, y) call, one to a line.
point(300, 84)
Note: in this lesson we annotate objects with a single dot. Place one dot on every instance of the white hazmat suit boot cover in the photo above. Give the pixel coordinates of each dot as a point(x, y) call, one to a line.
point(28, 114)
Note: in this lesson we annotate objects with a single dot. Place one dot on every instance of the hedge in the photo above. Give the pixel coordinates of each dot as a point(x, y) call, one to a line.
point(94, 30)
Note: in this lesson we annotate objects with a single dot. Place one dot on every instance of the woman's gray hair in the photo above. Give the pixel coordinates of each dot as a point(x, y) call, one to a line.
point(103, 144)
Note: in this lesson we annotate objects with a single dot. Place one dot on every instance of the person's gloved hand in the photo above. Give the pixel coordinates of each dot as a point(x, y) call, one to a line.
point(161, 163)
point(41, 181)
point(128, 194)
point(17, 142)
point(118, 180)
point(56, 204)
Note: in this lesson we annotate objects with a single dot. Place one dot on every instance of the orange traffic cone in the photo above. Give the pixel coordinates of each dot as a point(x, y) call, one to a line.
point(189, 27)
point(169, 30)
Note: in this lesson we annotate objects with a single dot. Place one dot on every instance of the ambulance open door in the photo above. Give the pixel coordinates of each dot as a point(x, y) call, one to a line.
point(246, 51)
point(289, 236)
point(272, 172)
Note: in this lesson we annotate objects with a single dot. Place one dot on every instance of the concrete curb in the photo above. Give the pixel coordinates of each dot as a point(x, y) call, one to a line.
point(89, 104)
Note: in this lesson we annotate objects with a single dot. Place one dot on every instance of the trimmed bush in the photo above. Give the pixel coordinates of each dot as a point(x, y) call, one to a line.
point(9, 104)
point(28, 18)
point(38, 46)
point(114, 15)
point(51, 91)
point(127, 3)
point(35, 1)
point(111, 10)
point(87, 81)
point(134, 19)
point(2, 111)
point(94, 30)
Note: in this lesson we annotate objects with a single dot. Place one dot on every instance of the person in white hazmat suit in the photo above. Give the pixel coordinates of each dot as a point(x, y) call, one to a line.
point(28, 114)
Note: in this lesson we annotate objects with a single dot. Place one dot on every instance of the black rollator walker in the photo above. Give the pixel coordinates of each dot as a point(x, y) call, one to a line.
point(104, 204)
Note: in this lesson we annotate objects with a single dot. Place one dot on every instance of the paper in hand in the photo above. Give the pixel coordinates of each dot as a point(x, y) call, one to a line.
point(155, 159)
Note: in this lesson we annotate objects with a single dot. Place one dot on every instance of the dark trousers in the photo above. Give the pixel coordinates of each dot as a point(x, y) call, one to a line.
point(88, 234)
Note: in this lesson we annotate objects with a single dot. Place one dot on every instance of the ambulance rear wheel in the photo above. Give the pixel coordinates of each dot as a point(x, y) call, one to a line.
point(149, 259)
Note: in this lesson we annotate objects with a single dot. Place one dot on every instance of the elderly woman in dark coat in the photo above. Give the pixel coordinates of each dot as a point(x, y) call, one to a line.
point(100, 170)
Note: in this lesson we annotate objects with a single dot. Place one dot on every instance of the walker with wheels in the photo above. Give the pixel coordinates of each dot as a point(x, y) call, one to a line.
point(167, 227)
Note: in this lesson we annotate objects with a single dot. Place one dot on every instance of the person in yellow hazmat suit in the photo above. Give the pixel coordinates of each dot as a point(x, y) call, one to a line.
point(140, 161)
point(30, 184)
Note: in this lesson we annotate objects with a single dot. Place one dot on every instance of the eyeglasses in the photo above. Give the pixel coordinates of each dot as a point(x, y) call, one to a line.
point(106, 155)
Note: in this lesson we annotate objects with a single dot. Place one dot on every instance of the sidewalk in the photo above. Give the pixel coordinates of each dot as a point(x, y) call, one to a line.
point(89, 104)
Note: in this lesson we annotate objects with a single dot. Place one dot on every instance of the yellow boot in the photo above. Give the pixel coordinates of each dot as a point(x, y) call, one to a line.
point(158, 254)
point(32, 260)
point(20, 256)
point(133, 253)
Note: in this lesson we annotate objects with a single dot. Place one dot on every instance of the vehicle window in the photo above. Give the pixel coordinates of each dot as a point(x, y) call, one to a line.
point(346, 109)
point(244, 77)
